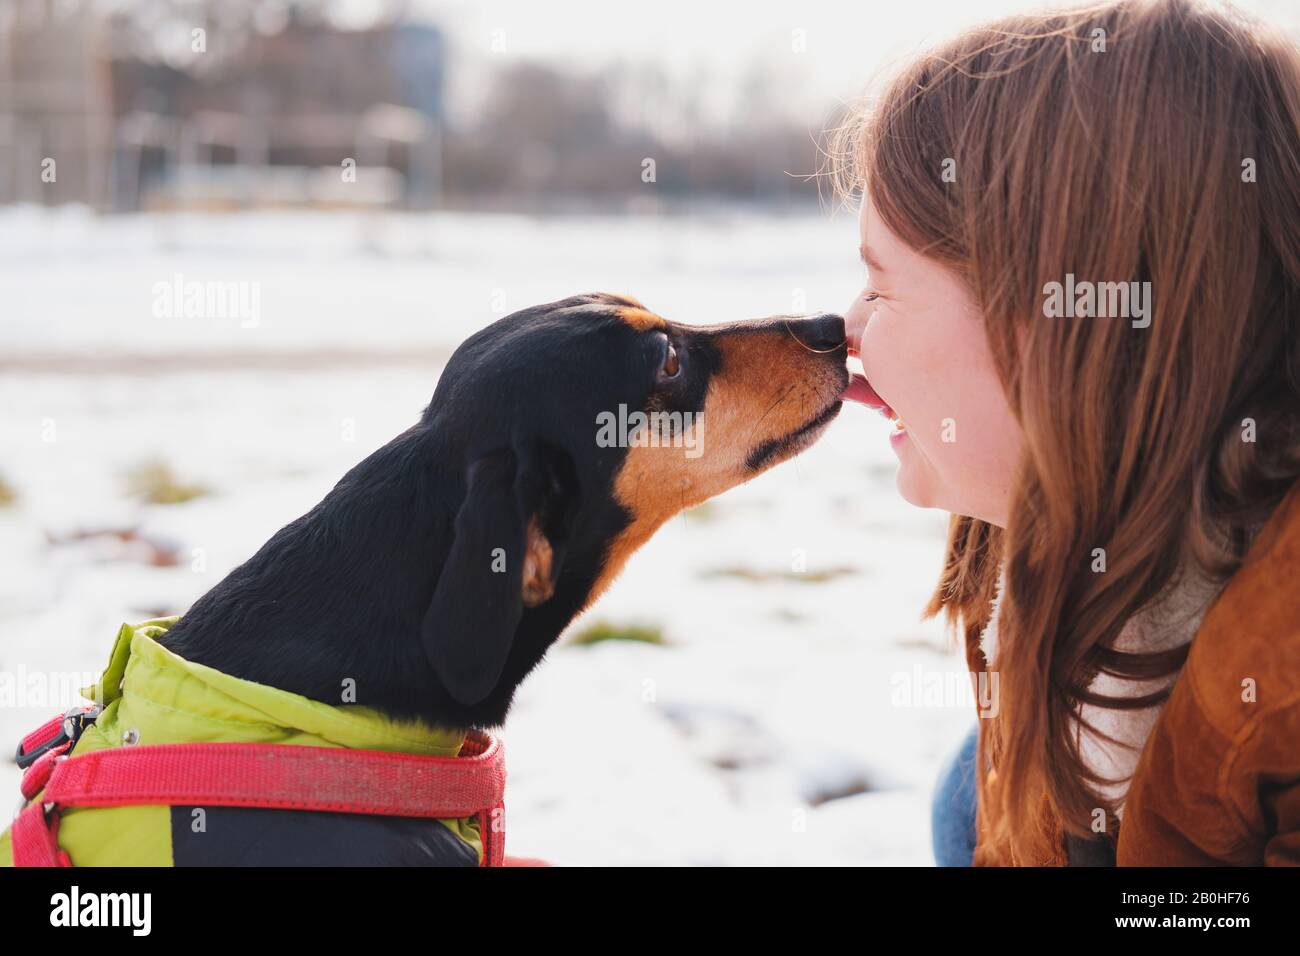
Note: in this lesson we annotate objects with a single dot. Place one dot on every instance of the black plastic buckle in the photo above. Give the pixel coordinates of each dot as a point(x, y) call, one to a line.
point(75, 721)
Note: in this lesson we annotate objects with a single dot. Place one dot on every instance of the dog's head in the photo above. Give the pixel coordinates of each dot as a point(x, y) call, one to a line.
point(577, 429)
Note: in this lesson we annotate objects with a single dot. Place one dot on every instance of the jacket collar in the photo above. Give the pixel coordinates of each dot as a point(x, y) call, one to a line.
point(1110, 740)
point(164, 698)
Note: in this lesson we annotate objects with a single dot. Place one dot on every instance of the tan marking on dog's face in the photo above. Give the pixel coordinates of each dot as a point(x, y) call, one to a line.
point(538, 585)
point(642, 319)
point(768, 387)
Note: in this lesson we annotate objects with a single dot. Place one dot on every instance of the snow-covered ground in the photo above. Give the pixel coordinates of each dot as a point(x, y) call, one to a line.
point(775, 690)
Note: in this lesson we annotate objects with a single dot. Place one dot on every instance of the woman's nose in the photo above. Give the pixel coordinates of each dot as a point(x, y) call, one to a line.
point(855, 322)
point(822, 333)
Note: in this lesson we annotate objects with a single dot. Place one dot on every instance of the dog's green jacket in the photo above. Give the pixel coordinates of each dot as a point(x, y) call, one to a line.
point(152, 696)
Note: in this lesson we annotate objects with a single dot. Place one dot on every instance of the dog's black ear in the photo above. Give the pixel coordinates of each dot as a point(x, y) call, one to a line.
point(506, 556)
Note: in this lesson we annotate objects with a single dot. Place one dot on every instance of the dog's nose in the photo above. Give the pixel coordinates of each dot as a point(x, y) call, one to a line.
point(821, 332)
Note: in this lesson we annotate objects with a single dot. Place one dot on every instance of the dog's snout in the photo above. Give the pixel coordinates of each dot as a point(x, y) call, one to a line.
point(823, 333)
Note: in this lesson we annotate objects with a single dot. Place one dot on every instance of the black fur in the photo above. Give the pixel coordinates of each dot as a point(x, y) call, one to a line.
point(386, 580)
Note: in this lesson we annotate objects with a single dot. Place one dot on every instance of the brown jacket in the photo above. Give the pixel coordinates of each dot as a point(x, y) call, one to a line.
point(1218, 782)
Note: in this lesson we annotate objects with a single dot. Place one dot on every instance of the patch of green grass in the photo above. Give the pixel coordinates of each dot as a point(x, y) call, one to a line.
point(606, 631)
point(154, 482)
point(758, 575)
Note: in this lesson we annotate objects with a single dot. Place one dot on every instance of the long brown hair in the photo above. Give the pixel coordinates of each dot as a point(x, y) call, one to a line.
point(1150, 141)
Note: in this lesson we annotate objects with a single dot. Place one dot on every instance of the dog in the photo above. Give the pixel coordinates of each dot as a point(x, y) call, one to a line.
point(439, 570)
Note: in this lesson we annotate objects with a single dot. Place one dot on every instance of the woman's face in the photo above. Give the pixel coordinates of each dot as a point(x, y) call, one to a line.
point(921, 341)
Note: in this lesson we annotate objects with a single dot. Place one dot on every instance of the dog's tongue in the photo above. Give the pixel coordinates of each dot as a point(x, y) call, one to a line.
point(859, 390)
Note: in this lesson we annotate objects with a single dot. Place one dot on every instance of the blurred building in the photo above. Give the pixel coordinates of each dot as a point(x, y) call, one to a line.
point(308, 114)
point(55, 117)
point(225, 104)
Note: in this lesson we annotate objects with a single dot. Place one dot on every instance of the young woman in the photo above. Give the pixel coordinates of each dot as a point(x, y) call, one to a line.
point(1082, 236)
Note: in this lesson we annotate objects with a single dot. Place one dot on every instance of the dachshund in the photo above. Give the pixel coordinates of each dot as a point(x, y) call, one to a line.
point(438, 571)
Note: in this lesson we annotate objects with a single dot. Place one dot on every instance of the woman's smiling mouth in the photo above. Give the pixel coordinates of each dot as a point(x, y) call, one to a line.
point(859, 390)
point(899, 432)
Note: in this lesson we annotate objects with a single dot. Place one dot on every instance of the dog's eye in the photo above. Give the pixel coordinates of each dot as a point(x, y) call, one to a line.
point(671, 364)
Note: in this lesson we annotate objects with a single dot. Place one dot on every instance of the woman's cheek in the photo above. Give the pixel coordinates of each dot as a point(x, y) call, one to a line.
point(908, 369)
point(878, 351)
point(896, 362)
point(969, 441)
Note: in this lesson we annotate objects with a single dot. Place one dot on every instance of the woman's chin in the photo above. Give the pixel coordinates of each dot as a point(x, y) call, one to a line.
point(916, 483)
point(914, 492)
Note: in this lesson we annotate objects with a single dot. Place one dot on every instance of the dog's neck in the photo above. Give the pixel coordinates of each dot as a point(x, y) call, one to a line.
point(331, 606)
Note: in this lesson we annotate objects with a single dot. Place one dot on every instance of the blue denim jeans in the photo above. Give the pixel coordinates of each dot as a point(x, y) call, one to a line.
point(952, 812)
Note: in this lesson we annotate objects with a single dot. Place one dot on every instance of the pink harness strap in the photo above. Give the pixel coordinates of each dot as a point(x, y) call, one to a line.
point(279, 776)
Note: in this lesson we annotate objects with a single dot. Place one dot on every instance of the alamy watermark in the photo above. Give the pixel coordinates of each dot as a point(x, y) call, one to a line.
point(637, 429)
point(181, 299)
point(1101, 300)
point(924, 688)
point(130, 910)
point(57, 690)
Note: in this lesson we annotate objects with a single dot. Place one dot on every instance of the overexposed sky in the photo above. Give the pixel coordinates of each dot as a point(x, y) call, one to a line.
point(813, 53)
point(805, 57)
point(845, 41)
